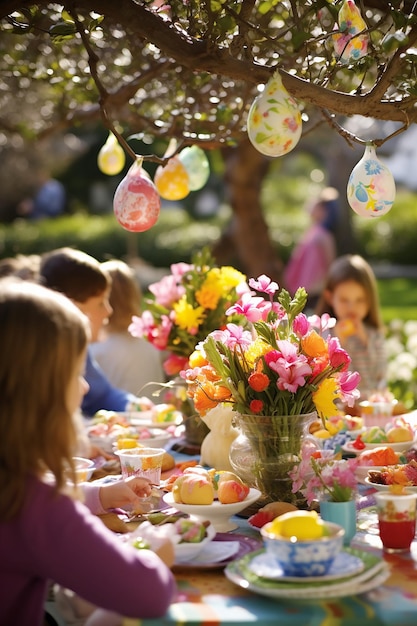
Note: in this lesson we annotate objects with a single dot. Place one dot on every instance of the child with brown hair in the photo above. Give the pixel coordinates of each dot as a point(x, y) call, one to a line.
point(351, 296)
point(44, 532)
point(82, 279)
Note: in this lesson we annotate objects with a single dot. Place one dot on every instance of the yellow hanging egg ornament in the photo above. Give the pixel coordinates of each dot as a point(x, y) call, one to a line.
point(111, 158)
point(371, 186)
point(172, 180)
point(274, 120)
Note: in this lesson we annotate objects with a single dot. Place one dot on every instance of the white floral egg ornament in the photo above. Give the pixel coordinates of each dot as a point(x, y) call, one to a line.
point(274, 120)
point(371, 186)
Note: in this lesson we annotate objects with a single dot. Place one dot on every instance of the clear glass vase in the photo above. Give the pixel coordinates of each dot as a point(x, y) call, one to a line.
point(266, 451)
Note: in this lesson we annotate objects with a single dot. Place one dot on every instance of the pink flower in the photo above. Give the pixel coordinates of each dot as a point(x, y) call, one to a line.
point(323, 323)
point(250, 306)
point(174, 364)
point(291, 367)
point(167, 291)
point(301, 325)
point(233, 335)
point(264, 284)
point(338, 357)
point(179, 269)
point(348, 382)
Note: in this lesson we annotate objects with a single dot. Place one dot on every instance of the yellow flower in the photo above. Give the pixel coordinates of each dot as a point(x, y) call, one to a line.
point(325, 396)
point(188, 317)
point(257, 349)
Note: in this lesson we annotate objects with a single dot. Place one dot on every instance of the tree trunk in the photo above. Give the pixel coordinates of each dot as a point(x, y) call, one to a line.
point(247, 243)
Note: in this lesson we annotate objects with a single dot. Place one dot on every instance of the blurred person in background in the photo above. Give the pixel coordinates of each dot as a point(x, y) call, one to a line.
point(313, 255)
point(48, 201)
point(128, 362)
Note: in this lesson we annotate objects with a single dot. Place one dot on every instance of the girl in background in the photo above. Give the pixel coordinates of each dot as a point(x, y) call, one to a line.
point(351, 296)
point(45, 533)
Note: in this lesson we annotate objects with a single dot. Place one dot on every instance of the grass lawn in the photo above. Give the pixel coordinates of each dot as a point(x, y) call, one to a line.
point(398, 298)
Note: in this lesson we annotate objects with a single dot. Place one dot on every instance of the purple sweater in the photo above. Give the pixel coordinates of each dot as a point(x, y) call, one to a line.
point(57, 538)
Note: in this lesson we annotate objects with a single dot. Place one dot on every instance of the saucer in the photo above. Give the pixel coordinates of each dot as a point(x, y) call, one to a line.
point(343, 566)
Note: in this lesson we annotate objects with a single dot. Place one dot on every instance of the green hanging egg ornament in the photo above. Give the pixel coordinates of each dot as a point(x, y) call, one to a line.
point(197, 166)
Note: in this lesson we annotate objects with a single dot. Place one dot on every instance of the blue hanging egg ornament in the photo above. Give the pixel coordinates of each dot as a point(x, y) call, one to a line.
point(371, 186)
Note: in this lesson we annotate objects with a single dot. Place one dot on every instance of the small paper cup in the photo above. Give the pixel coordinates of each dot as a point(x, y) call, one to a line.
point(146, 462)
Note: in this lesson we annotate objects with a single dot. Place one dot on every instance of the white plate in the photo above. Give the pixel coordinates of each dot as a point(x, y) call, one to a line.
point(217, 513)
point(375, 573)
point(379, 487)
point(148, 419)
point(361, 471)
point(189, 551)
point(344, 565)
point(402, 446)
point(213, 552)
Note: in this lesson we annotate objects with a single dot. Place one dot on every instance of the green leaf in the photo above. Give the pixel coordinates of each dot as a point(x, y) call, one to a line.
point(62, 30)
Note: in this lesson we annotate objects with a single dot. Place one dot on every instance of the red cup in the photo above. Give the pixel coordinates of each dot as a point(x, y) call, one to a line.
point(396, 519)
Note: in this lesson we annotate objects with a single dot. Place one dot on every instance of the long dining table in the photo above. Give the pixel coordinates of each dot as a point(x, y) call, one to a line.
point(206, 597)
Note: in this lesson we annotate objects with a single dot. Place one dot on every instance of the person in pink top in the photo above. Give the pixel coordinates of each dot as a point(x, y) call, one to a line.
point(313, 255)
point(46, 532)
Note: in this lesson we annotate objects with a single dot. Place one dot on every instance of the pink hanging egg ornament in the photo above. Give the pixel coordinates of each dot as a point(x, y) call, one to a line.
point(274, 120)
point(371, 186)
point(136, 202)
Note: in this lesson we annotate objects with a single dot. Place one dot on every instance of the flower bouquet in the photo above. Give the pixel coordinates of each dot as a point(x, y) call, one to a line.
point(182, 309)
point(186, 305)
point(276, 375)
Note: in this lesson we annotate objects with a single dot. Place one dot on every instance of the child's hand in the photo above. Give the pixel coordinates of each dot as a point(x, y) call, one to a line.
point(125, 494)
point(351, 326)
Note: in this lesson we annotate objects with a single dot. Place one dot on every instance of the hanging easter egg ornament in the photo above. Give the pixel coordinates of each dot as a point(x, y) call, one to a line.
point(172, 180)
point(371, 186)
point(111, 158)
point(136, 202)
point(348, 45)
point(197, 166)
point(274, 120)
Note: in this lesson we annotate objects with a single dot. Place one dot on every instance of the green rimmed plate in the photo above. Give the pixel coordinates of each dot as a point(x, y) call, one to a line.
point(374, 573)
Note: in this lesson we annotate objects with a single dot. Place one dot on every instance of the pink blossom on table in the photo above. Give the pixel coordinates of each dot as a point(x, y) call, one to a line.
point(264, 284)
point(301, 325)
point(252, 307)
point(338, 357)
point(233, 335)
point(320, 475)
point(291, 367)
point(167, 291)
